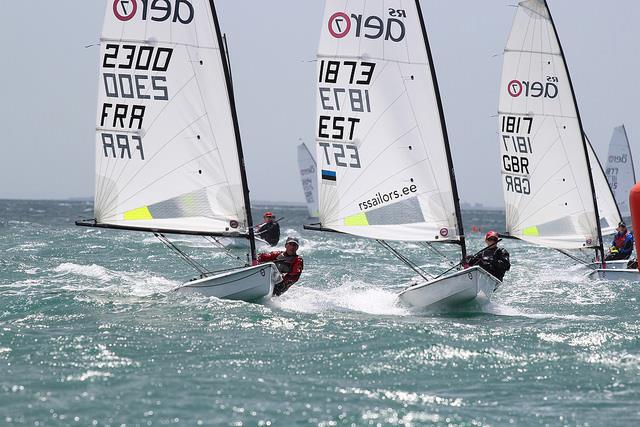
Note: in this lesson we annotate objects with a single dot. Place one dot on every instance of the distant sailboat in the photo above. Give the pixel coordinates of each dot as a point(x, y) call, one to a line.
point(309, 179)
point(168, 151)
point(621, 172)
point(555, 190)
point(607, 207)
point(385, 167)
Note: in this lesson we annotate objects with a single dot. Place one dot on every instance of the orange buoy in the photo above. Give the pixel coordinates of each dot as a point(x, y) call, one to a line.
point(634, 204)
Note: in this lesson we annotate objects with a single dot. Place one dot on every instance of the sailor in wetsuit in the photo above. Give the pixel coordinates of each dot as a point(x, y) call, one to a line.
point(289, 263)
point(269, 230)
point(622, 245)
point(492, 259)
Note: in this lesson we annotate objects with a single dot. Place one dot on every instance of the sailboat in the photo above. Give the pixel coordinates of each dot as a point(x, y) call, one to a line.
point(169, 157)
point(385, 170)
point(621, 172)
point(555, 190)
point(308, 178)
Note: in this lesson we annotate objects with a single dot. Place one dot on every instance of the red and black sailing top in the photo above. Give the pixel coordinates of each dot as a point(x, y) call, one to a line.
point(290, 266)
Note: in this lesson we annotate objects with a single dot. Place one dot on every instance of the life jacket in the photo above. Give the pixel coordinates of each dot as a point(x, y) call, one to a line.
point(284, 262)
point(620, 240)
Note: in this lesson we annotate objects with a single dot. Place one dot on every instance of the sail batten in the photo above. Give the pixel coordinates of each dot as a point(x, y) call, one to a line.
point(167, 150)
point(384, 170)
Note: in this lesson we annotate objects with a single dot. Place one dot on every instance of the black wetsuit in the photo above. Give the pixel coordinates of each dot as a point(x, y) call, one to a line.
point(269, 231)
point(493, 260)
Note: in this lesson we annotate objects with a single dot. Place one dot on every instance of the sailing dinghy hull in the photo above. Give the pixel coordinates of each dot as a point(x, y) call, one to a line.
point(455, 289)
point(249, 284)
point(611, 265)
point(615, 274)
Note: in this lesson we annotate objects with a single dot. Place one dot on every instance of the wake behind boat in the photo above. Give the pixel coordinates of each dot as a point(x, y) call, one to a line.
point(169, 158)
point(385, 170)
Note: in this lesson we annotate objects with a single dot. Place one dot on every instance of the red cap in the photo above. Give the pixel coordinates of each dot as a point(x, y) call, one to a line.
point(268, 214)
point(491, 235)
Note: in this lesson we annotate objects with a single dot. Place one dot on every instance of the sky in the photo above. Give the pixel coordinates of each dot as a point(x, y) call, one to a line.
point(49, 86)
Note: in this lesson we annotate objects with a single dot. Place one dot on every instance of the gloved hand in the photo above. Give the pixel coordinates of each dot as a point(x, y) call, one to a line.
point(613, 250)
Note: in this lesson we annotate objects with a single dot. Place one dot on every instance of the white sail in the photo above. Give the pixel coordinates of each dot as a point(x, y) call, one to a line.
point(609, 214)
point(309, 178)
point(381, 145)
point(166, 155)
point(620, 170)
point(545, 174)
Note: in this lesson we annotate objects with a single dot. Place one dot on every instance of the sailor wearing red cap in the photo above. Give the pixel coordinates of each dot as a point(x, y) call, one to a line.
point(492, 259)
point(289, 263)
point(269, 230)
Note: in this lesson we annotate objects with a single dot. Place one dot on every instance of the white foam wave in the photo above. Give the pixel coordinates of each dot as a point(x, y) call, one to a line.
point(348, 295)
point(137, 284)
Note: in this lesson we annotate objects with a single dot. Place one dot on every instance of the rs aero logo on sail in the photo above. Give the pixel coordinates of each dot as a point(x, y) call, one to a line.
point(155, 10)
point(549, 89)
point(392, 27)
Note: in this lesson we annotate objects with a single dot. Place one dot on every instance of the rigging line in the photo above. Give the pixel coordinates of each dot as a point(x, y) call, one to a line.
point(217, 243)
point(426, 276)
point(191, 262)
point(575, 258)
point(433, 248)
point(181, 254)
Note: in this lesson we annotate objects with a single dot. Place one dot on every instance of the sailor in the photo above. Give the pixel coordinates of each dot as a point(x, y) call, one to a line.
point(622, 245)
point(492, 259)
point(289, 263)
point(269, 230)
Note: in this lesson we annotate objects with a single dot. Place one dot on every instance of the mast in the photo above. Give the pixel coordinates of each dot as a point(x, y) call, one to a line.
point(443, 125)
point(626, 137)
point(582, 134)
point(236, 128)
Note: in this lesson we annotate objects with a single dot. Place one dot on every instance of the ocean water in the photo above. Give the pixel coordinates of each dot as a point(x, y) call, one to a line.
point(91, 335)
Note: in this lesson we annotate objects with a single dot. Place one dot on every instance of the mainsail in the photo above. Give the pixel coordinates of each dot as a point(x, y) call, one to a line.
point(546, 173)
point(620, 170)
point(309, 178)
point(168, 154)
point(609, 213)
point(384, 164)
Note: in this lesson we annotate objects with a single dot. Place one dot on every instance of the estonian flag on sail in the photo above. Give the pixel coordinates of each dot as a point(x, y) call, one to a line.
point(329, 176)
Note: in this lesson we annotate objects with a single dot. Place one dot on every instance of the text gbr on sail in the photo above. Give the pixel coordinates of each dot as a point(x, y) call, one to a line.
point(370, 27)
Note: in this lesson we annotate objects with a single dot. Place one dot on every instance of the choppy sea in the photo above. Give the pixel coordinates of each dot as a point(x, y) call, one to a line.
point(91, 335)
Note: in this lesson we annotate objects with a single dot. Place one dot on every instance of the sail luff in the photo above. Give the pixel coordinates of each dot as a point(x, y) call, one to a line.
point(582, 133)
point(445, 134)
point(236, 128)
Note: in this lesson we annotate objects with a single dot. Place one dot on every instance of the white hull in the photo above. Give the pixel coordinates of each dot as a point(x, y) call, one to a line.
point(454, 289)
point(611, 265)
point(240, 243)
point(615, 274)
point(248, 284)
